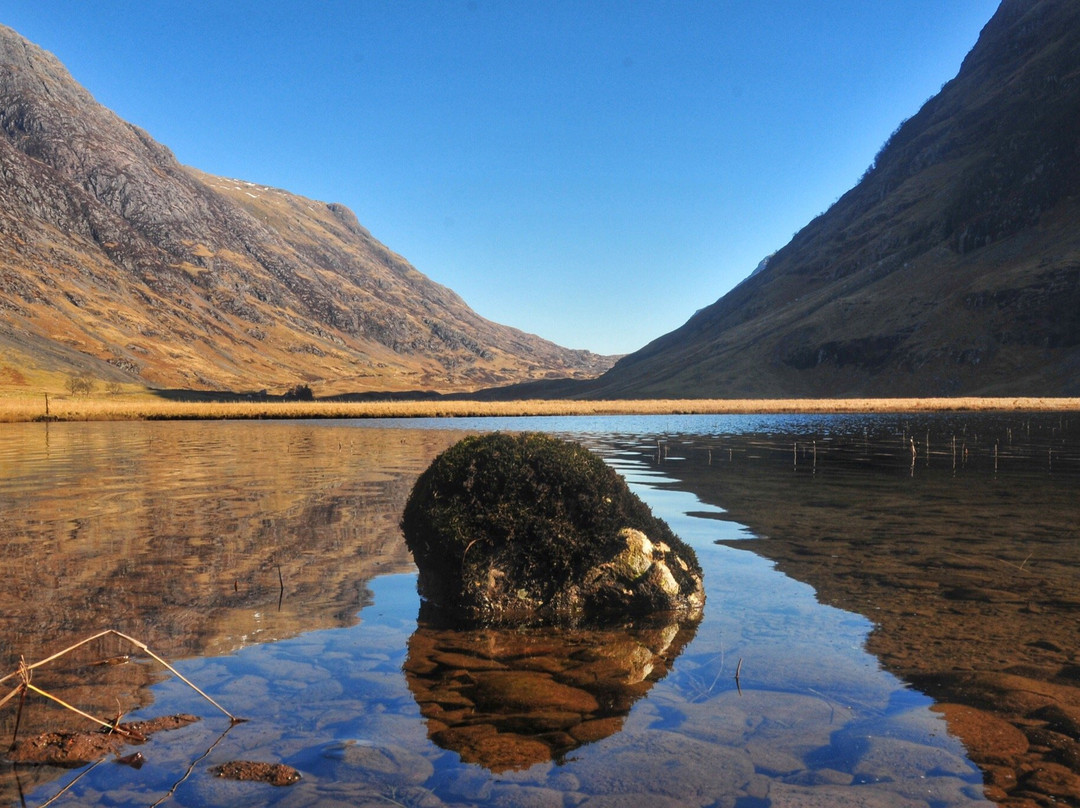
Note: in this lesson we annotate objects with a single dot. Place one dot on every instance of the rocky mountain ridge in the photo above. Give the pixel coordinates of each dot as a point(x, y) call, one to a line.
point(952, 267)
point(121, 262)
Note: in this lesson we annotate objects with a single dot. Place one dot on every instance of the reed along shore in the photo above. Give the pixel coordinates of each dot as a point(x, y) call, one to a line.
point(139, 407)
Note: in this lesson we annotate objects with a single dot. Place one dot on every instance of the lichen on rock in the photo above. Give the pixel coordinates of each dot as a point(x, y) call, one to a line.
point(532, 529)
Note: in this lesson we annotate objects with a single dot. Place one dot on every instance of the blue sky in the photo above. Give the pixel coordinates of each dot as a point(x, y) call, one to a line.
point(589, 171)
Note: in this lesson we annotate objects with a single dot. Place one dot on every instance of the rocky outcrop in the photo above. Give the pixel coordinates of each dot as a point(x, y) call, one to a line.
point(533, 529)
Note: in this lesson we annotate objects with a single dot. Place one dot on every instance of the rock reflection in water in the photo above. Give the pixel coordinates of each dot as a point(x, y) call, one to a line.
point(507, 699)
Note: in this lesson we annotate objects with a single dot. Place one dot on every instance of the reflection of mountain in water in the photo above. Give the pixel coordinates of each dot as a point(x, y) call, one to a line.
point(188, 535)
point(196, 538)
point(510, 698)
point(964, 556)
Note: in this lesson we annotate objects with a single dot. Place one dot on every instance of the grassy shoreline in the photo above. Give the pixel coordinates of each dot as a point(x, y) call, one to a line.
point(19, 409)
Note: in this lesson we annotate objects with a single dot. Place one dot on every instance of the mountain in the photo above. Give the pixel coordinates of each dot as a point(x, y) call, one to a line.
point(952, 267)
point(118, 261)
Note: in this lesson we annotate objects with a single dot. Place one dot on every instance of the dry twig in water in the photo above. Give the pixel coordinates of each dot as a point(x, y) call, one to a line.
point(25, 675)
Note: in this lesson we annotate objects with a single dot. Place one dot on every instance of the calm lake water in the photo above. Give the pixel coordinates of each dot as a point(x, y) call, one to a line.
point(853, 565)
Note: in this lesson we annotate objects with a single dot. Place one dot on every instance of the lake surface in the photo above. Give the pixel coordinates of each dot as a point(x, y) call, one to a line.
point(883, 626)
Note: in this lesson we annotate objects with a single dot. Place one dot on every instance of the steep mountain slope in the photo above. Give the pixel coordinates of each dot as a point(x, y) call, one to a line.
point(953, 267)
point(119, 261)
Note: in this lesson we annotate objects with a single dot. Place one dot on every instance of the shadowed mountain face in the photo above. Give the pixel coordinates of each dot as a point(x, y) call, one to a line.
point(953, 267)
point(120, 261)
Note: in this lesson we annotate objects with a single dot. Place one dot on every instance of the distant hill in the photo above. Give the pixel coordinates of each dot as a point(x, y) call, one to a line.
point(953, 267)
point(117, 261)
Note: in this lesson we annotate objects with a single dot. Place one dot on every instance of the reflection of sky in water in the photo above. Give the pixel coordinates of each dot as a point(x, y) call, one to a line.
point(815, 710)
point(630, 426)
point(634, 427)
point(787, 640)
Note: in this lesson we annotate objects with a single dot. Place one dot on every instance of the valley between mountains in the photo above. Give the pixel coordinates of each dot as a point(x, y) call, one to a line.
point(951, 269)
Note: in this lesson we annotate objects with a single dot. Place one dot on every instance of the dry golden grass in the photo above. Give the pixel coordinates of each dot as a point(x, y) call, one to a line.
point(128, 407)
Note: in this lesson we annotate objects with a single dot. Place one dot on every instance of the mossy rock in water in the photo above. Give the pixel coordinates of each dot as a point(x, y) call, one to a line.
point(528, 528)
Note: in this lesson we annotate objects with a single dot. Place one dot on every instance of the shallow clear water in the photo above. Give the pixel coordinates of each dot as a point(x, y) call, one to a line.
point(266, 562)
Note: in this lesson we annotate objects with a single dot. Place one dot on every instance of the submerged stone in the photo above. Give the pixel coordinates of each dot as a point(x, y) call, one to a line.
point(75, 749)
point(377, 763)
point(276, 774)
point(530, 528)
